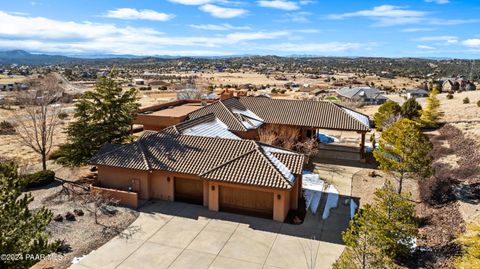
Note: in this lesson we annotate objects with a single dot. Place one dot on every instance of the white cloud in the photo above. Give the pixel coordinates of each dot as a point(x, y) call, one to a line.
point(222, 12)
point(39, 34)
point(473, 43)
point(279, 4)
point(298, 16)
point(191, 2)
point(134, 14)
point(441, 2)
point(386, 14)
point(425, 47)
point(414, 30)
point(448, 39)
point(389, 15)
point(218, 27)
point(327, 47)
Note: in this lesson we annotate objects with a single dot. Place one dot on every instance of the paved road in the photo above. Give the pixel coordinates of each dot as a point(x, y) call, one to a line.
point(178, 235)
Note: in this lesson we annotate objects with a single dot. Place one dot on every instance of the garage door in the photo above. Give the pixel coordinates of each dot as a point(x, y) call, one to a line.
point(189, 190)
point(255, 203)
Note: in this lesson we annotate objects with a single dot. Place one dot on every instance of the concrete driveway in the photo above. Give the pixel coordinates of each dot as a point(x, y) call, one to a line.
point(178, 235)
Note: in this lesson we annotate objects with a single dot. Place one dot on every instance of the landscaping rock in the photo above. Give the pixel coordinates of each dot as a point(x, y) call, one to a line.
point(69, 216)
point(58, 218)
point(110, 210)
point(78, 212)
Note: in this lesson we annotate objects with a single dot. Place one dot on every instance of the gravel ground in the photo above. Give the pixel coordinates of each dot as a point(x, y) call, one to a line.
point(82, 235)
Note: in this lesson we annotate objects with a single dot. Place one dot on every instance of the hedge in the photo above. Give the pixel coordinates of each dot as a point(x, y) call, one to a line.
point(40, 179)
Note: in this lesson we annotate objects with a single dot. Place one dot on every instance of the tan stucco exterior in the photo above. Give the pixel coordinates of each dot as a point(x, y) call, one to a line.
point(161, 185)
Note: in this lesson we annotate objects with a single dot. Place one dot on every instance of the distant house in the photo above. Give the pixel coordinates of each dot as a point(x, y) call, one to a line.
point(139, 81)
point(417, 93)
point(366, 95)
point(457, 84)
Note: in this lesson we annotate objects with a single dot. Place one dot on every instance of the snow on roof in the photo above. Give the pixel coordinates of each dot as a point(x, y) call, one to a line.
point(214, 128)
point(249, 119)
point(360, 117)
point(280, 166)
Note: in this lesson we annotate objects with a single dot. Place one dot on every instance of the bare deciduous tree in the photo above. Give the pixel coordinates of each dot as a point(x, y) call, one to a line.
point(95, 202)
point(37, 127)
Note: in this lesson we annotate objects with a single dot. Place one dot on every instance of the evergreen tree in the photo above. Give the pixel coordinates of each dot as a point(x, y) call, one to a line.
point(431, 114)
point(22, 231)
point(411, 109)
point(363, 243)
point(396, 217)
point(102, 116)
point(471, 248)
point(404, 151)
point(387, 114)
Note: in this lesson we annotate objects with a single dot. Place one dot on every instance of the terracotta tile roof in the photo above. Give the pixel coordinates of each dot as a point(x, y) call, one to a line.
point(253, 168)
point(294, 162)
point(306, 113)
point(232, 160)
point(222, 113)
point(130, 156)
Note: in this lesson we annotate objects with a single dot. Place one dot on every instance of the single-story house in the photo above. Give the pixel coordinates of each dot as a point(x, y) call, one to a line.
point(201, 161)
point(417, 93)
point(366, 95)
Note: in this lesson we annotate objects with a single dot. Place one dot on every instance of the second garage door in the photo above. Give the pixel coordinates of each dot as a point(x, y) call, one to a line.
point(243, 201)
point(189, 190)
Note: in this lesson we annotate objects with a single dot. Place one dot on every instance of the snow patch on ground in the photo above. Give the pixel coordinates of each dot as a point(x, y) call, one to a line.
point(332, 201)
point(313, 188)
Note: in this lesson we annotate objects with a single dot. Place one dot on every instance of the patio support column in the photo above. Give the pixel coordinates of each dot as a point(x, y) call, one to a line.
point(362, 147)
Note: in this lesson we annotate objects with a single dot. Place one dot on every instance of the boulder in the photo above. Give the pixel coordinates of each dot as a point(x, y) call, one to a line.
point(69, 216)
point(58, 218)
point(78, 212)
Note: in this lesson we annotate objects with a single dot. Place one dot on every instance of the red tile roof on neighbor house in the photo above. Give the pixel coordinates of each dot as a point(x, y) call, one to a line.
point(235, 112)
point(214, 158)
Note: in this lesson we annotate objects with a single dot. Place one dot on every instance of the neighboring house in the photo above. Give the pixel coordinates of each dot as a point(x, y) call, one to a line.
point(457, 84)
point(366, 95)
point(138, 81)
point(417, 93)
point(201, 161)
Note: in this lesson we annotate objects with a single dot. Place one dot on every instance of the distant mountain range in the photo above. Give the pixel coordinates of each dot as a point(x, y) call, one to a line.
point(22, 57)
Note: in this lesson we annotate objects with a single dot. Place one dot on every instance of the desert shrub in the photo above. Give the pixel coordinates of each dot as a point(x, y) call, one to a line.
point(466, 100)
point(40, 178)
point(450, 96)
point(62, 115)
point(55, 155)
point(435, 190)
point(6, 128)
point(478, 103)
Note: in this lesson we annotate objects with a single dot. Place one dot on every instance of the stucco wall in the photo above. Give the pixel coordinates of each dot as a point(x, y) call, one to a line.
point(125, 198)
point(123, 179)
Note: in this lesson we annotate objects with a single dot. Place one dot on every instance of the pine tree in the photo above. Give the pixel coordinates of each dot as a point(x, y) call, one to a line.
point(471, 248)
point(363, 243)
point(380, 232)
point(411, 109)
point(102, 116)
point(404, 151)
point(22, 231)
point(431, 114)
point(387, 114)
point(396, 217)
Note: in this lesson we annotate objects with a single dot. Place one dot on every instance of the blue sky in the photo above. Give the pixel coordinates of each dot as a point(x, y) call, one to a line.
point(416, 28)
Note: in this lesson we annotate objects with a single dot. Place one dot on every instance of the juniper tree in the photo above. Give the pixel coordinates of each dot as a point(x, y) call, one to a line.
point(386, 112)
point(411, 109)
point(404, 151)
point(22, 231)
point(431, 114)
point(102, 116)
